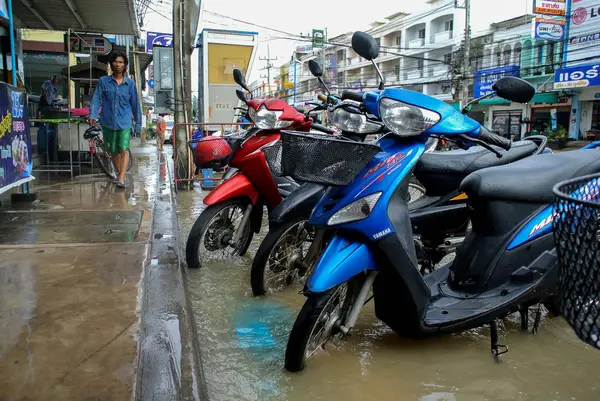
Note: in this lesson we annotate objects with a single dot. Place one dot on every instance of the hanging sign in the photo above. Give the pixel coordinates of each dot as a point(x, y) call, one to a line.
point(550, 7)
point(549, 28)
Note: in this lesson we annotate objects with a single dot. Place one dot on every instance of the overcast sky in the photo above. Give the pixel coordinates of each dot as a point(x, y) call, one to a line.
point(302, 16)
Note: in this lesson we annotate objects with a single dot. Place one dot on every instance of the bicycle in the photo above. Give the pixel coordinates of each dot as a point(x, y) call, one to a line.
point(98, 151)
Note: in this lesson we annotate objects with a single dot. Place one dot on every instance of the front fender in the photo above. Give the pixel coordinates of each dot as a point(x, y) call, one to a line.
point(237, 186)
point(299, 203)
point(341, 260)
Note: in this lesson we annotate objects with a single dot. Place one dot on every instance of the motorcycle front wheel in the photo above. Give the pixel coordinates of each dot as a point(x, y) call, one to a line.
point(274, 266)
point(213, 231)
point(319, 322)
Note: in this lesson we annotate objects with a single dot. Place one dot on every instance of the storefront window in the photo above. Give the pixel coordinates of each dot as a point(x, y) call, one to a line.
point(507, 123)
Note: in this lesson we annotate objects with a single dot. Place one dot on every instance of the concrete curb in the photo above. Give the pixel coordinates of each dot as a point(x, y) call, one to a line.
point(168, 359)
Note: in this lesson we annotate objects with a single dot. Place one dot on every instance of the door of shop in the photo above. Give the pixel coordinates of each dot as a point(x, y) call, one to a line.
point(507, 123)
point(541, 116)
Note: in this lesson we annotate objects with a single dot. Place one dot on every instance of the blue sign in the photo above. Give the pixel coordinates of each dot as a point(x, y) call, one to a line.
point(577, 77)
point(158, 39)
point(484, 79)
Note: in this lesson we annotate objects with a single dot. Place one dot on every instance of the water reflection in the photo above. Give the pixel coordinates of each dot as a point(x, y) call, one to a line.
point(243, 339)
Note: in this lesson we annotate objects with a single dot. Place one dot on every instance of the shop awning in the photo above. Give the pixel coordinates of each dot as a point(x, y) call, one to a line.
point(494, 100)
point(106, 16)
point(546, 97)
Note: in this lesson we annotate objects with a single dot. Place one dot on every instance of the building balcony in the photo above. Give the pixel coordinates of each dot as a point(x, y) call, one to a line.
point(416, 43)
point(441, 37)
point(414, 75)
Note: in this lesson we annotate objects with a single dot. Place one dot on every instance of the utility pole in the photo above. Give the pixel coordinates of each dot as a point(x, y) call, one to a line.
point(268, 59)
point(467, 55)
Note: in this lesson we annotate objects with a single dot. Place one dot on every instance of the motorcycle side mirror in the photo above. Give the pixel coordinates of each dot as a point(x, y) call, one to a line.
point(514, 89)
point(239, 78)
point(365, 45)
point(315, 68)
point(240, 95)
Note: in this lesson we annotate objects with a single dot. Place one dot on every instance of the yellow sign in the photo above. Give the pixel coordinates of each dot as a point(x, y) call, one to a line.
point(288, 85)
point(223, 59)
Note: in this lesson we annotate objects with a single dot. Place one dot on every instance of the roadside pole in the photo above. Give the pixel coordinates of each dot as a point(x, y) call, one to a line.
point(467, 55)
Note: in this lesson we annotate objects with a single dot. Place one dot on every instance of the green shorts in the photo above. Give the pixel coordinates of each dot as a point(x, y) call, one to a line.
point(116, 140)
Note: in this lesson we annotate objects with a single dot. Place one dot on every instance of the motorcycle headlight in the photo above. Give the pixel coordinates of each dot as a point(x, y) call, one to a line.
point(404, 119)
point(267, 119)
point(352, 122)
point(357, 210)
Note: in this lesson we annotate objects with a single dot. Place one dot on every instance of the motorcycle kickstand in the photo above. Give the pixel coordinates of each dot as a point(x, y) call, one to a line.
point(538, 318)
point(524, 312)
point(497, 349)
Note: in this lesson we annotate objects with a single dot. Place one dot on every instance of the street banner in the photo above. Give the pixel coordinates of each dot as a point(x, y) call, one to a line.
point(15, 138)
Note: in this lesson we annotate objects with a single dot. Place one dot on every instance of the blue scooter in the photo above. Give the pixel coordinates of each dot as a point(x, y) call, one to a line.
point(506, 264)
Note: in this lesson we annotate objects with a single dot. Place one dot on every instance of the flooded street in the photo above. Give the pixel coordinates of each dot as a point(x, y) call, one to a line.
point(242, 342)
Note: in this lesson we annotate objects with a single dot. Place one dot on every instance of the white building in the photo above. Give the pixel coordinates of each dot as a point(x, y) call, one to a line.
point(415, 52)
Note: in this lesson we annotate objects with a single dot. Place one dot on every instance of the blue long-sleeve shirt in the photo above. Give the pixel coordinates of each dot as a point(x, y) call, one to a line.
point(118, 102)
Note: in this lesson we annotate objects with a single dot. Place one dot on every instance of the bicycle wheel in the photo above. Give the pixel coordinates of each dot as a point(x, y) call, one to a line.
point(104, 159)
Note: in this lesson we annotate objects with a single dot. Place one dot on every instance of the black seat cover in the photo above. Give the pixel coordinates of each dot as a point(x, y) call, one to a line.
point(531, 179)
point(442, 172)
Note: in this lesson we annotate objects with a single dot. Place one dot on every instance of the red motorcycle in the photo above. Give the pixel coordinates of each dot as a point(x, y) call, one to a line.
point(234, 209)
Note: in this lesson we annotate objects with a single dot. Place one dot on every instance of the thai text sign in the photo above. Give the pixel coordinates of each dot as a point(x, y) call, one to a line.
point(577, 77)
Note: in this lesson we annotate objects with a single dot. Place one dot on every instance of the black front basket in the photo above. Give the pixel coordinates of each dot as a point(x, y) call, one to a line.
point(576, 226)
point(322, 159)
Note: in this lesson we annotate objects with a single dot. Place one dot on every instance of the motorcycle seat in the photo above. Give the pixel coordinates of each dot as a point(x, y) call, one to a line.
point(442, 172)
point(531, 179)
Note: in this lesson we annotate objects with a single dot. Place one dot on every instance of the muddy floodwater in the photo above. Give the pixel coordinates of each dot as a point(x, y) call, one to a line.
point(243, 338)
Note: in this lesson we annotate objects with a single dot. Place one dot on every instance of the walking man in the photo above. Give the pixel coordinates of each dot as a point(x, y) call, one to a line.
point(161, 129)
point(116, 101)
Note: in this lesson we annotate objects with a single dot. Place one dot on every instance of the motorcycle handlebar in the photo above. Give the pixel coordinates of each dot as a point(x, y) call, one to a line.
point(322, 128)
point(494, 139)
point(351, 95)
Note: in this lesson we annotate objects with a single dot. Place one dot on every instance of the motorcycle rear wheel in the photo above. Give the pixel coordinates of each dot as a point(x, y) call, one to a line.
point(328, 309)
point(213, 229)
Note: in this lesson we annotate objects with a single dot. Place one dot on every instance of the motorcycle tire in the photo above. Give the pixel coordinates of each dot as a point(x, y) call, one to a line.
point(192, 256)
point(261, 259)
point(309, 316)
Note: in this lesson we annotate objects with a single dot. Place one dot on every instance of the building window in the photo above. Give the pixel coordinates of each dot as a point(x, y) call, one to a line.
point(448, 58)
point(420, 65)
point(449, 25)
point(349, 61)
point(399, 40)
point(540, 53)
point(397, 71)
point(422, 33)
point(498, 59)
